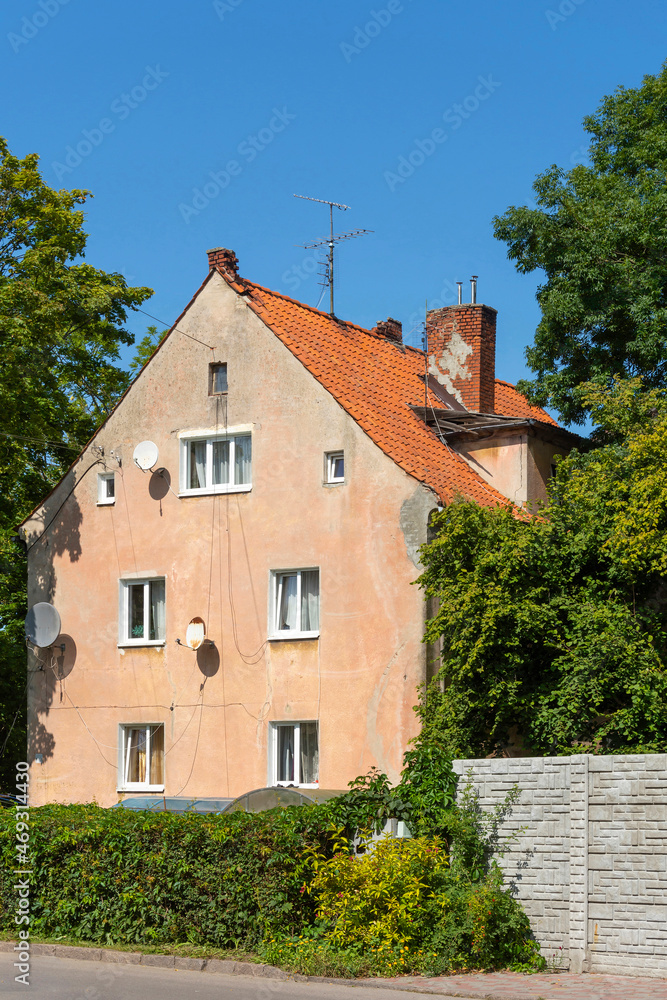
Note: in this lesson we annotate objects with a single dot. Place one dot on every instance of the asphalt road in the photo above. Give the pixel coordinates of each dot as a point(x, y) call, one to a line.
point(74, 979)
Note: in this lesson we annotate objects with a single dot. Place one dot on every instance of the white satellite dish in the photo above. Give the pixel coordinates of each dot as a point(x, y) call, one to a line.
point(145, 455)
point(42, 625)
point(195, 633)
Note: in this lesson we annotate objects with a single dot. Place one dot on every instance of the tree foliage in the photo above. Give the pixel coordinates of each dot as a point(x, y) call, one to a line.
point(553, 627)
point(599, 233)
point(61, 330)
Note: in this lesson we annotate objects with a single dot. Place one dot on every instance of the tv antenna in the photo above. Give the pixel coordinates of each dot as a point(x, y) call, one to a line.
point(330, 241)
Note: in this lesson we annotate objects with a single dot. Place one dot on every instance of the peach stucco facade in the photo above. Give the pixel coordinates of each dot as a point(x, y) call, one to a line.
point(357, 679)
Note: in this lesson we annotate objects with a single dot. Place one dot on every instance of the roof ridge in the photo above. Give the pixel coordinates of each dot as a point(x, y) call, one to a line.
point(304, 305)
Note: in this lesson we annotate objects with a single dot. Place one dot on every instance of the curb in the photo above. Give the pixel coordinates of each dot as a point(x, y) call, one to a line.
point(224, 966)
point(228, 967)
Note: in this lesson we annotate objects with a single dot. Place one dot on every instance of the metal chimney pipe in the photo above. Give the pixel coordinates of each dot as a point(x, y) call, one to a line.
point(473, 289)
point(460, 283)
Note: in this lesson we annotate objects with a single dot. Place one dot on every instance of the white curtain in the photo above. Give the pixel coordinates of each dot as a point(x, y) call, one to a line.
point(220, 462)
point(135, 759)
point(158, 610)
point(242, 460)
point(285, 753)
point(309, 753)
point(197, 465)
point(310, 600)
point(287, 609)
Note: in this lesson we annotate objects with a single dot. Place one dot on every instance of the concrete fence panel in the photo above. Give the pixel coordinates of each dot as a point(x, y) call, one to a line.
point(589, 859)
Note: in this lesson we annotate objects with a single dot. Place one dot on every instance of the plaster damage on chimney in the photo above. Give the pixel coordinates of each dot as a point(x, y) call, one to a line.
point(452, 364)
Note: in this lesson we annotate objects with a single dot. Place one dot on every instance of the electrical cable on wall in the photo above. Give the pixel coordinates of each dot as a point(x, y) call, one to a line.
point(98, 461)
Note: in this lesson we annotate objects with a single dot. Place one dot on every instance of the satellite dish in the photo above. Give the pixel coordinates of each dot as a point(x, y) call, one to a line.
point(145, 455)
point(195, 633)
point(42, 625)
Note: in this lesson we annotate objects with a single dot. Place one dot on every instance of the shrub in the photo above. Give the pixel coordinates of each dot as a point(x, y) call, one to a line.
point(403, 908)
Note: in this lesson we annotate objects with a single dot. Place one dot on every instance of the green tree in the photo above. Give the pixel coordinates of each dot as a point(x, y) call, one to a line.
point(61, 329)
point(553, 627)
point(599, 233)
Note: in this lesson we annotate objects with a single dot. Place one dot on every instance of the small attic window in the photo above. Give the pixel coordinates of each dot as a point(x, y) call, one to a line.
point(334, 467)
point(106, 488)
point(217, 380)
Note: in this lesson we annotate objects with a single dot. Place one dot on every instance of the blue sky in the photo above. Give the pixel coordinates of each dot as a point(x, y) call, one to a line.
point(194, 124)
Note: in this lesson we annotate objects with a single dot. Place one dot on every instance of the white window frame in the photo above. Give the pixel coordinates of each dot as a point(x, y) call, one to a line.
point(124, 611)
point(275, 595)
point(273, 753)
point(123, 757)
point(186, 443)
point(103, 500)
point(330, 476)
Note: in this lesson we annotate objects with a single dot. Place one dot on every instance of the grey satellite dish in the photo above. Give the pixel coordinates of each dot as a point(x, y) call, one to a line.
point(145, 455)
point(42, 625)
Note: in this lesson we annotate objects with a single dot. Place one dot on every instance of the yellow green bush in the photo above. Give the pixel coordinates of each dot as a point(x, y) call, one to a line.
point(403, 907)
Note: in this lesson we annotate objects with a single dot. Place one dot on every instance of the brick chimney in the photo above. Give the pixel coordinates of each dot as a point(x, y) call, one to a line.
point(223, 260)
point(390, 328)
point(462, 353)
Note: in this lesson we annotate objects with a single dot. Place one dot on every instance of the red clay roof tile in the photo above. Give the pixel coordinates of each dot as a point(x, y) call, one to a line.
point(377, 381)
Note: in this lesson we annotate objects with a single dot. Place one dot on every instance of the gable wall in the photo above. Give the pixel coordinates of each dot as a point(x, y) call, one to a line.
point(216, 553)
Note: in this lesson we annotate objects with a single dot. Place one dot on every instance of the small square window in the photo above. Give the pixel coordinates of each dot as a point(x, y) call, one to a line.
point(335, 467)
point(217, 379)
point(296, 604)
point(294, 753)
point(106, 488)
point(142, 612)
point(141, 757)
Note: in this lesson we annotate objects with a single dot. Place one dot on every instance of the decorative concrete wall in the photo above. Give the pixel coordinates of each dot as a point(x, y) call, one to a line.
point(590, 858)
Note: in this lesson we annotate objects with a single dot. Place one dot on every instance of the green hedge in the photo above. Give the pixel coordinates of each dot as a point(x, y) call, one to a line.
point(284, 883)
point(114, 875)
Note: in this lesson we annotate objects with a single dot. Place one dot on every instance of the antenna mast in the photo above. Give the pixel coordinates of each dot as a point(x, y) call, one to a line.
point(332, 239)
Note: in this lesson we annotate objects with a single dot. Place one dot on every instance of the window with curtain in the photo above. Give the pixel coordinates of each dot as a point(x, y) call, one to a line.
point(217, 380)
point(141, 757)
point(216, 465)
point(295, 753)
point(296, 604)
point(106, 488)
point(142, 612)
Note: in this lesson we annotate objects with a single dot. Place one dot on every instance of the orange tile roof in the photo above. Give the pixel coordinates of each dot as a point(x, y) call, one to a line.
point(377, 381)
point(511, 403)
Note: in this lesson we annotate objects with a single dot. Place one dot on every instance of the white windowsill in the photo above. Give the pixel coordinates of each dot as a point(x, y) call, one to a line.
point(106, 503)
point(141, 788)
point(287, 634)
point(216, 491)
point(334, 482)
point(292, 784)
point(133, 643)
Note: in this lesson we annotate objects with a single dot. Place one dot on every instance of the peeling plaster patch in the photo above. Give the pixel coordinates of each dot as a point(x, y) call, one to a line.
point(452, 364)
point(373, 737)
point(414, 520)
